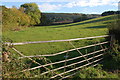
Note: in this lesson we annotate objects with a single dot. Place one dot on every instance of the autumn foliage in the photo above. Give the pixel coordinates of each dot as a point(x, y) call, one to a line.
point(13, 18)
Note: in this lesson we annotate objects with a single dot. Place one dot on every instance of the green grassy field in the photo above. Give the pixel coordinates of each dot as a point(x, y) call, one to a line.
point(92, 27)
point(88, 28)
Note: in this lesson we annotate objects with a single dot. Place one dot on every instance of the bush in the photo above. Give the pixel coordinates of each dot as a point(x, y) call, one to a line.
point(92, 72)
point(114, 29)
point(112, 62)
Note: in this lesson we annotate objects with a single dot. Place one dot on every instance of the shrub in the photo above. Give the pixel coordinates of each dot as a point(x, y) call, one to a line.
point(114, 29)
point(112, 62)
point(92, 72)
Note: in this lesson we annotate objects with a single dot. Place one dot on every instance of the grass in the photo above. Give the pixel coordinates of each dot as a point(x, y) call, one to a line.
point(97, 72)
point(93, 27)
point(67, 31)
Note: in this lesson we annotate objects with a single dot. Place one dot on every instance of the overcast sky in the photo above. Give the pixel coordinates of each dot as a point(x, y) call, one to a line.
point(69, 6)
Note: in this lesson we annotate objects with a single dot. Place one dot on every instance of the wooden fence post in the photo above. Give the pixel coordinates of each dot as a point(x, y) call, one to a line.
point(112, 41)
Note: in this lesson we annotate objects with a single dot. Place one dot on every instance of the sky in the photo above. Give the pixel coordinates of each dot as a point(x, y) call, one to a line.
point(68, 6)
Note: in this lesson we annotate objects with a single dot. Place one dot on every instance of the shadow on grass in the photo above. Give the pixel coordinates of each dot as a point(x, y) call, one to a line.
point(96, 27)
point(75, 24)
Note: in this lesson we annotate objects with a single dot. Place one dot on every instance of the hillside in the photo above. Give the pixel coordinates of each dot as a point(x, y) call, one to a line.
point(31, 32)
point(93, 27)
point(66, 17)
point(40, 43)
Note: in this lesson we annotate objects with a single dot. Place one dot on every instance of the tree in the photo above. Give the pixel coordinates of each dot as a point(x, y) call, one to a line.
point(108, 13)
point(12, 18)
point(81, 18)
point(33, 11)
point(44, 20)
point(114, 29)
point(21, 18)
point(21, 9)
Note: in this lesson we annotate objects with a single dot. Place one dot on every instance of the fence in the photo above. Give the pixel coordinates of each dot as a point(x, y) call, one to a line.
point(69, 66)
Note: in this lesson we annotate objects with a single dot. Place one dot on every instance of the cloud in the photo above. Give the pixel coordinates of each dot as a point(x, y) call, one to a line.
point(79, 3)
point(76, 3)
point(38, 0)
point(91, 3)
point(49, 7)
point(115, 4)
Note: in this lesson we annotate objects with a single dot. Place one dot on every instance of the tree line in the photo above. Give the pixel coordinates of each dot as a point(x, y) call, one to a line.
point(62, 18)
point(27, 15)
point(106, 13)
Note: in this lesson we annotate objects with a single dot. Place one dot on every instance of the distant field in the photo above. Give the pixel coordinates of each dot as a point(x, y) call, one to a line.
point(92, 27)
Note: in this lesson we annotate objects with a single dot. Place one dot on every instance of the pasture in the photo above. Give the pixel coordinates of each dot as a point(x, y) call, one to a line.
point(88, 28)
